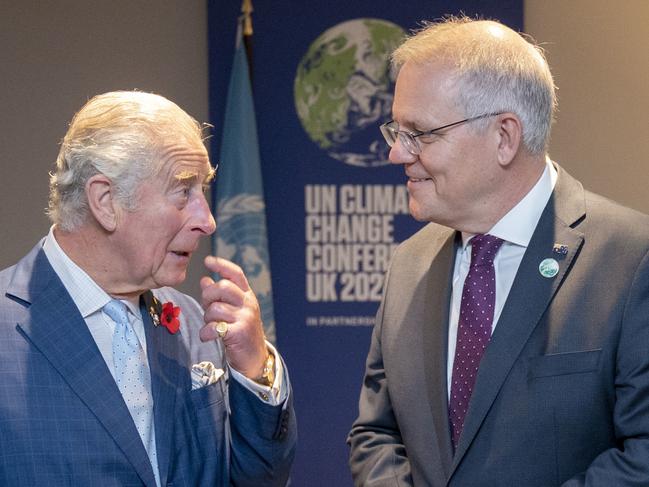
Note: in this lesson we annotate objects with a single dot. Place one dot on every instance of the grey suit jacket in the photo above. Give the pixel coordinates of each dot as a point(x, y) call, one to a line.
point(562, 394)
point(63, 420)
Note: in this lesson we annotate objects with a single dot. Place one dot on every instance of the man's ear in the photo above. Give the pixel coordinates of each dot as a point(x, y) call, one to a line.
point(100, 192)
point(510, 137)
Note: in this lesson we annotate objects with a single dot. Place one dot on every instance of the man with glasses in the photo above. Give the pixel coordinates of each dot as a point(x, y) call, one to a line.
point(512, 343)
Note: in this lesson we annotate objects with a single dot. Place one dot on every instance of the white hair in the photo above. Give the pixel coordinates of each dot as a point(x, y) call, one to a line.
point(495, 70)
point(120, 134)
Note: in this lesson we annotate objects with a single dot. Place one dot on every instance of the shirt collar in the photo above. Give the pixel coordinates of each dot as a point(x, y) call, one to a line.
point(85, 292)
point(518, 225)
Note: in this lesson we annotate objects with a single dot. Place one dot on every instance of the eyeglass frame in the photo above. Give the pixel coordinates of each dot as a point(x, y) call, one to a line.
point(406, 137)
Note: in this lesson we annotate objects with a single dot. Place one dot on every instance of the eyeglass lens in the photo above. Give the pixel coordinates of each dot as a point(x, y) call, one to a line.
point(390, 134)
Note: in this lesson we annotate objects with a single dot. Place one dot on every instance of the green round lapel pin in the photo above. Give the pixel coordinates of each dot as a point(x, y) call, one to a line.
point(549, 268)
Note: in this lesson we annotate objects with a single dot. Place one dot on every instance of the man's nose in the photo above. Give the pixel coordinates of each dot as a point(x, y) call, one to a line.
point(203, 220)
point(399, 154)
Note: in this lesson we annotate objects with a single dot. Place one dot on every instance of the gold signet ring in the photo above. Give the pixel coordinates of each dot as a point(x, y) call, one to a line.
point(222, 328)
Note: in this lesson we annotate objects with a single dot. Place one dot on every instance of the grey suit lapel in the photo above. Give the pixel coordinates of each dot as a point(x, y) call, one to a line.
point(58, 331)
point(435, 340)
point(528, 299)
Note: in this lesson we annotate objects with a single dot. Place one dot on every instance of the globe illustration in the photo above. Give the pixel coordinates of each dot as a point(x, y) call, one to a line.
point(343, 90)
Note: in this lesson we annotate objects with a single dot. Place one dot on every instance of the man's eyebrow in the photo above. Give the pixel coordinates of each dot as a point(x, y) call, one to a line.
point(210, 175)
point(190, 176)
point(185, 176)
point(421, 122)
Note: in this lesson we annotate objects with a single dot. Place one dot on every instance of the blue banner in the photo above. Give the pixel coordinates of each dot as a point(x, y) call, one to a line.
point(335, 207)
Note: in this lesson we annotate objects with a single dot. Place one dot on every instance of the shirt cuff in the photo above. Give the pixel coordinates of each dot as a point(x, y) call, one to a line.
point(273, 395)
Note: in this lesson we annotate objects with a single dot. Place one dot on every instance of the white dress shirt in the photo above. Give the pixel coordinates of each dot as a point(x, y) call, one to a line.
point(516, 229)
point(90, 299)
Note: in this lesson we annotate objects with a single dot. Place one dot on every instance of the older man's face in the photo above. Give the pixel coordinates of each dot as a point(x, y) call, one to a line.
point(156, 240)
point(454, 181)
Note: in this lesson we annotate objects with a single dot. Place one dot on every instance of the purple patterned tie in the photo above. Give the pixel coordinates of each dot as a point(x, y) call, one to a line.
point(474, 327)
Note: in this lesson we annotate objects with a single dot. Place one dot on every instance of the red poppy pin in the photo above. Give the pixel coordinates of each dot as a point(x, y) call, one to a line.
point(169, 317)
point(166, 314)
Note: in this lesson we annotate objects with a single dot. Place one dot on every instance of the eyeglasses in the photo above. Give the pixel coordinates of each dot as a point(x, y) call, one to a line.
point(391, 132)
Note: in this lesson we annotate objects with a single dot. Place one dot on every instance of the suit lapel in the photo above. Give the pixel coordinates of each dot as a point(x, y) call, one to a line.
point(162, 353)
point(59, 332)
point(528, 299)
point(435, 340)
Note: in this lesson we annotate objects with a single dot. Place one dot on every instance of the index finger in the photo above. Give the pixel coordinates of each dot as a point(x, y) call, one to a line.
point(227, 270)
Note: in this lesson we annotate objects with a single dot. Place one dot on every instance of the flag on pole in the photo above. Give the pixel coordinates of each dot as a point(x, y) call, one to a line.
point(238, 195)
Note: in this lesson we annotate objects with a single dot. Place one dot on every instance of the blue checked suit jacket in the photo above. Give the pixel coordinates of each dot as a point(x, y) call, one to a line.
point(63, 420)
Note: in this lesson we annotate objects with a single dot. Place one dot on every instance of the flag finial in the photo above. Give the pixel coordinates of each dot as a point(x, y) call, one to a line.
point(246, 10)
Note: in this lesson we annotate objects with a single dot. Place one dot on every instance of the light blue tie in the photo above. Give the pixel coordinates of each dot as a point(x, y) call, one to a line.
point(133, 378)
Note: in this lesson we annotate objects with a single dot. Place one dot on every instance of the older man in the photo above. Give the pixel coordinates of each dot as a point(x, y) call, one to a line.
point(511, 347)
point(109, 376)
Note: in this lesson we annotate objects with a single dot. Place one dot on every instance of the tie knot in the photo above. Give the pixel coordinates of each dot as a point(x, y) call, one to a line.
point(117, 311)
point(484, 249)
